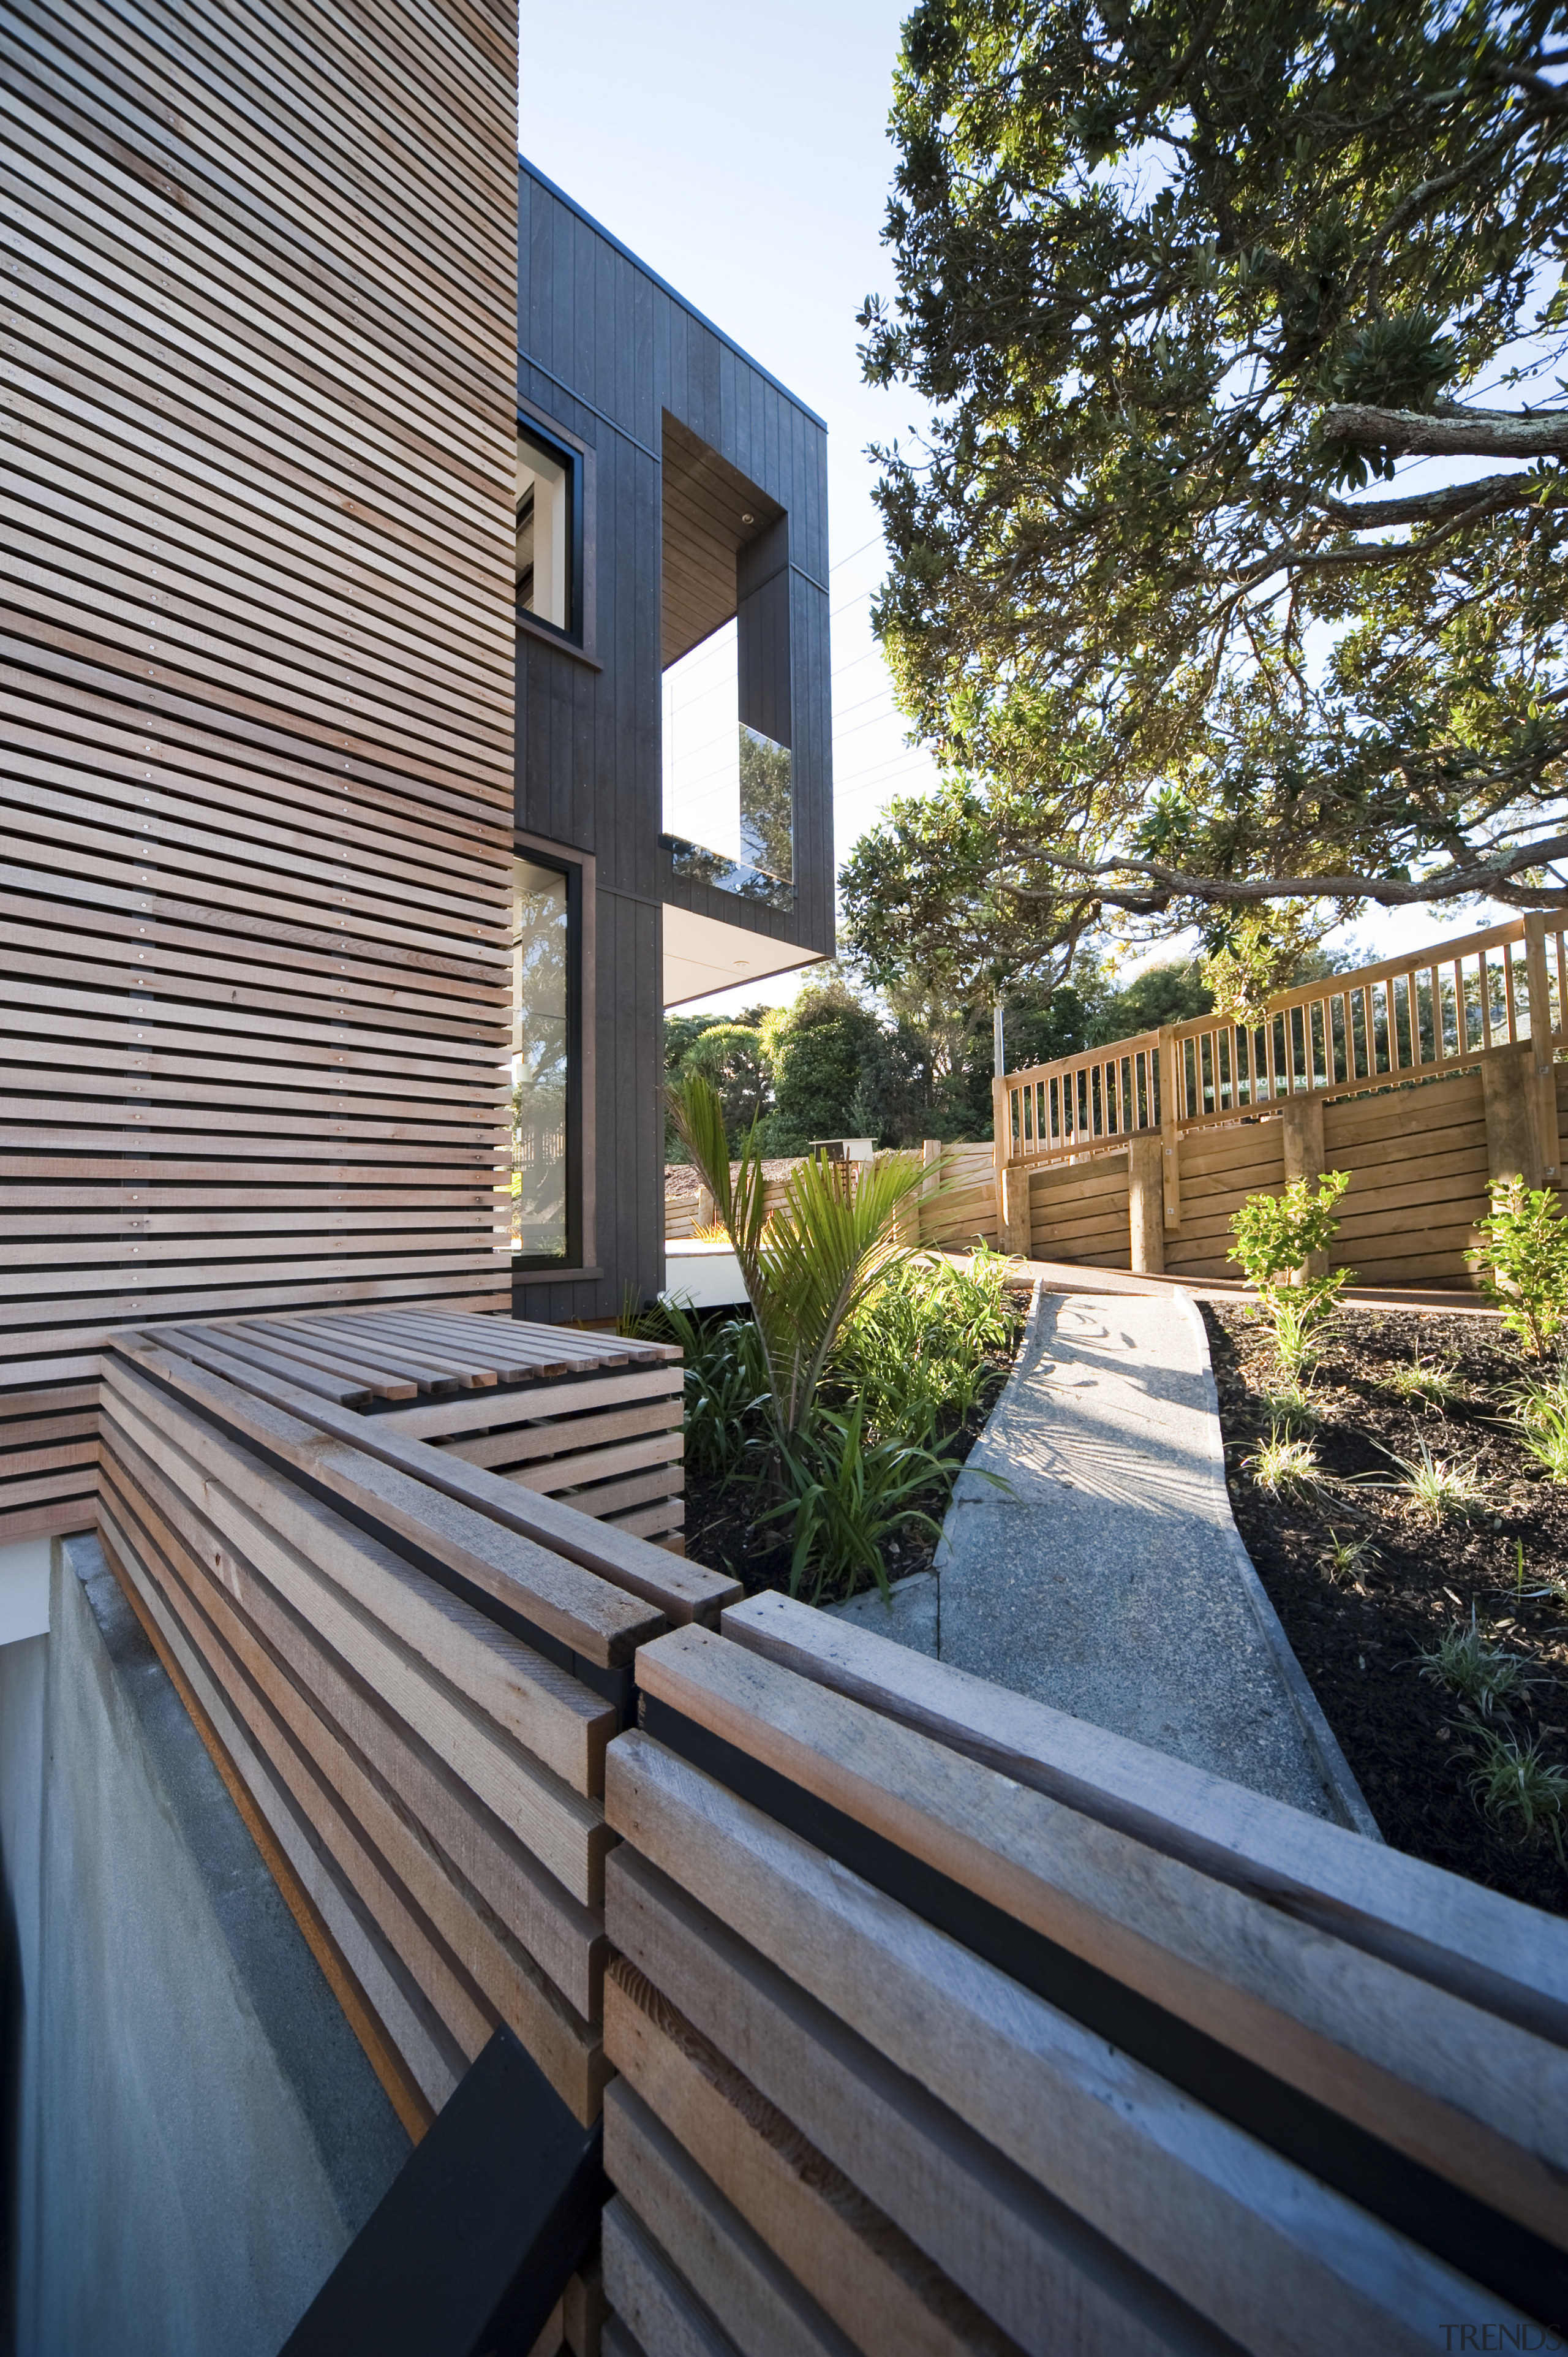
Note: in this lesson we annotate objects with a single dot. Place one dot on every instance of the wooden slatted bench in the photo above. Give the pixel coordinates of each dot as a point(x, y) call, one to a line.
point(594, 1419)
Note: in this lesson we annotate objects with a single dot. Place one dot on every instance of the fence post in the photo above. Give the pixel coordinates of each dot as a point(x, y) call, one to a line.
point(1542, 1077)
point(1012, 1186)
point(924, 1210)
point(1146, 1213)
point(1170, 1125)
point(1301, 1127)
point(1508, 1088)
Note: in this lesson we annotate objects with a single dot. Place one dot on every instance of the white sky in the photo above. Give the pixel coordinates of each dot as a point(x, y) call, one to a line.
point(742, 152)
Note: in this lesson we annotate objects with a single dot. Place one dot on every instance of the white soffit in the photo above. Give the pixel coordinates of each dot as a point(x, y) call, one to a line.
point(700, 956)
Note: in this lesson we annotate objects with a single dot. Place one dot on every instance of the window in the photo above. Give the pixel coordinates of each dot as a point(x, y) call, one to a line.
point(543, 1149)
point(729, 805)
point(547, 528)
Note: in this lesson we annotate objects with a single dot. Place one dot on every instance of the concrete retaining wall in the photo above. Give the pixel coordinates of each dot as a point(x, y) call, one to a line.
point(213, 2136)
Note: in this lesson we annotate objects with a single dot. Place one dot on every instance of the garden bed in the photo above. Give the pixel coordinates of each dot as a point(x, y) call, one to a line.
point(725, 1526)
point(1412, 1740)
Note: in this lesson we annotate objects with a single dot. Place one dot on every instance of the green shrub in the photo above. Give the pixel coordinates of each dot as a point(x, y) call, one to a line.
point(809, 1265)
point(847, 1495)
point(1277, 1236)
point(724, 1381)
point(1517, 1788)
point(1480, 1673)
point(1541, 1415)
point(920, 1349)
point(1523, 1261)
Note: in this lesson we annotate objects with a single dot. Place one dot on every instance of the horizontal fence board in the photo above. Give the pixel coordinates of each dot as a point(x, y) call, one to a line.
point(848, 2255)
point(1352, 2031)
point(1027, 2261)
point(1271, 2257)
point(735, 2277)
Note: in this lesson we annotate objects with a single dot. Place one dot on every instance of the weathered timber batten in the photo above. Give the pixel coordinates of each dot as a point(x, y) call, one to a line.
point(258, 681)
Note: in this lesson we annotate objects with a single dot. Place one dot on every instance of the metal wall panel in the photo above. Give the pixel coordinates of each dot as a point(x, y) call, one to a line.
point(257, 802)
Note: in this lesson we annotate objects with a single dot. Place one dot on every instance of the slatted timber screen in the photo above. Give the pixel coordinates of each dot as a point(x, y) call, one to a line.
point(942, 2021)
point(255, 812)
point(409, 1669)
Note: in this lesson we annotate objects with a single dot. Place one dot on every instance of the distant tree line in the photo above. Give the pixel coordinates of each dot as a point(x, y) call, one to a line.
point(837, 1063)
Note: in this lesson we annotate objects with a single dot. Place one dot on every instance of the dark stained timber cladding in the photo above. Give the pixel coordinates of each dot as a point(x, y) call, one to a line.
point(256, 815)
point(606, 349)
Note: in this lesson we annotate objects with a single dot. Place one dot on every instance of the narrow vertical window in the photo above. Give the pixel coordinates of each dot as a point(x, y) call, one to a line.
point(546, 534)
point(541, 1062)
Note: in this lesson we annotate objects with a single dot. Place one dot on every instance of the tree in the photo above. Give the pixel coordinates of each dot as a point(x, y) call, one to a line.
point(817, 1046)
point(732, 1059)
point(681, 1034)
point(1179, 284)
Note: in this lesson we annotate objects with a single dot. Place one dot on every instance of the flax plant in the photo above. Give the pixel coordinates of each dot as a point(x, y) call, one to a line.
point(815, 1261)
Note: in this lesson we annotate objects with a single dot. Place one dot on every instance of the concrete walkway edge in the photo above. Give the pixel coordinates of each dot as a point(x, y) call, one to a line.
point(1320, 1736)
point(1162, 1429)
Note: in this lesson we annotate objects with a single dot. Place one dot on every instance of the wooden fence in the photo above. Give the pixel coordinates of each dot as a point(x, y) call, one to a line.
point(958, 1209)
point(944, 2022)
point(1424, 1077)
point(918, 2016)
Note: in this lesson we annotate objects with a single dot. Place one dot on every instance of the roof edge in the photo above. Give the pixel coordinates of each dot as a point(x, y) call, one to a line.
point(675, 293)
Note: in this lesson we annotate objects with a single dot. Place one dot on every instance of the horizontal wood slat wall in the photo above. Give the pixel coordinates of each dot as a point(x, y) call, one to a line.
point(257, 677)
point(944, 2022)
point(410, 1669)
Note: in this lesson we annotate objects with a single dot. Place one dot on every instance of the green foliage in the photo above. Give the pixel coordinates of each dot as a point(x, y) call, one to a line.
point(732, 1057)
point(1468, 1666)
point(1346, 1561)
point(1285, 1466)
point(917, 1350)
point(1435, 1383)
point(847, 1494)
point(809, 1266)
point(1277, 1236)
point(1541, 1412)
point(1441, 1486)
point(1517, 1787)
point(1522, 1259)
point(724, 1383)
point(817, 1046)
point(1166, 653)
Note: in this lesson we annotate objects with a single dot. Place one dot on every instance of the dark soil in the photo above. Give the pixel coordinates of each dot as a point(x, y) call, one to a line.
point(723, 1529)
point(1406, 1736)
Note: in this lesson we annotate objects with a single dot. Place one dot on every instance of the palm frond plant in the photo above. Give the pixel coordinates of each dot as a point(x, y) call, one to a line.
point(820, 1256)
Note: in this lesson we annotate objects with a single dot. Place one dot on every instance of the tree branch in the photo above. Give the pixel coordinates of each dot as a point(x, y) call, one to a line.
point(1449, 433)
point(1387, 891)
point(1488, 491)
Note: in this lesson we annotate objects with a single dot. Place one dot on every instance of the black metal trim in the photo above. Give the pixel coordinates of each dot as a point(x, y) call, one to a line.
point(1465, 2234)
point(472, 2245)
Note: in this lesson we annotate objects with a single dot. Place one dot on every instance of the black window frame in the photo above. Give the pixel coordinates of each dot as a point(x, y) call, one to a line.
point(571, 459)
point(533, 1265)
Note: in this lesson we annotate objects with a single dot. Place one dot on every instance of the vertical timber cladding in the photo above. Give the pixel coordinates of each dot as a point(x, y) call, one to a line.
point(256, 806)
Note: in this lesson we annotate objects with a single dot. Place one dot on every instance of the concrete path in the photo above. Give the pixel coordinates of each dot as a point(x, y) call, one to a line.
point(1110, 1580)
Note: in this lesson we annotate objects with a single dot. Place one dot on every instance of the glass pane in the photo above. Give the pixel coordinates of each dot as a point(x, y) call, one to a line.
point(729, 800)
point(767, 805)
point(543, 534)
point(702, 745)
point(540, 980)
